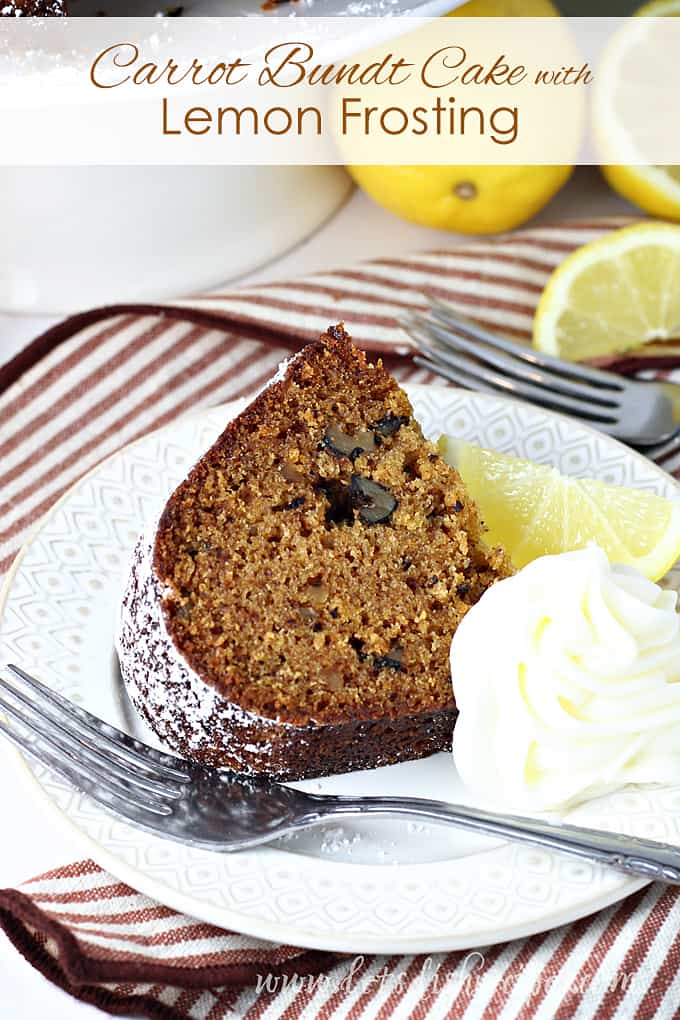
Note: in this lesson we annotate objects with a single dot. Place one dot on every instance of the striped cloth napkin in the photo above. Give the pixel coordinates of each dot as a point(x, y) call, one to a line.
point(106, 377)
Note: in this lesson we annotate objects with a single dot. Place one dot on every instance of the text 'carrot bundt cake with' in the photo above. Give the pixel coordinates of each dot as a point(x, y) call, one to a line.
point(292, 611)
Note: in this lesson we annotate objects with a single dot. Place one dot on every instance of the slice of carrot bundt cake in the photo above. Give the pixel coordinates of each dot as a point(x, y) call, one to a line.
point(293, 609)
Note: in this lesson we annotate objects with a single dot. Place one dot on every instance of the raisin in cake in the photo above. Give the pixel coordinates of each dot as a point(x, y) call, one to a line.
point(292, 610)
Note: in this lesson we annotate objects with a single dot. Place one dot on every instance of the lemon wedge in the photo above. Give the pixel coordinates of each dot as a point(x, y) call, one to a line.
point(613, 294)
point(532, 510)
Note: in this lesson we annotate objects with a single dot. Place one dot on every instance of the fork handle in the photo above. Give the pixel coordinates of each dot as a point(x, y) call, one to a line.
point(644, 858)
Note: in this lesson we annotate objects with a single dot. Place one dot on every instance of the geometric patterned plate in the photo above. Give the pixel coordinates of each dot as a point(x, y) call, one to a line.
point(391, 887)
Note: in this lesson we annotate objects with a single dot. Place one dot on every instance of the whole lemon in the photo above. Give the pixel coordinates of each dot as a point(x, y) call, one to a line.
point(505, 9)
point(468, 199)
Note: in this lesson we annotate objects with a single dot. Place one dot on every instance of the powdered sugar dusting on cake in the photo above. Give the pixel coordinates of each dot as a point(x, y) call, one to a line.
point(280, 373)
point(282, 370)
point(186, 713)
point(193, 719)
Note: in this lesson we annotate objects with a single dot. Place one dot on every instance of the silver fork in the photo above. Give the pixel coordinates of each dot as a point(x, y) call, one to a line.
point(223, 811)
point(643, 414)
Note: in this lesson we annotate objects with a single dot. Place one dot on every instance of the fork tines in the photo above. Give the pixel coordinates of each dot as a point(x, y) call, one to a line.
point(94, 756)
point(470, 355)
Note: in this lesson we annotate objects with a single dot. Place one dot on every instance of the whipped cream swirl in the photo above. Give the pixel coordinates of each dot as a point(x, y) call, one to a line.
point(567, 680)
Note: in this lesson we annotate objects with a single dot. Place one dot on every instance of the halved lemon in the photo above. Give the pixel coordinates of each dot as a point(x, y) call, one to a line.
point(656, 189)
point(658, 9)
point(613, 294)
point(532, 510)
point(623, 99)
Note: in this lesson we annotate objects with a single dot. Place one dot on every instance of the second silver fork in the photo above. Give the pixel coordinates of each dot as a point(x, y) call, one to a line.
point(643, 414)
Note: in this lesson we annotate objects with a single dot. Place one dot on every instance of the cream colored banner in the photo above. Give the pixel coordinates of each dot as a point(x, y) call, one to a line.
point(339, 90)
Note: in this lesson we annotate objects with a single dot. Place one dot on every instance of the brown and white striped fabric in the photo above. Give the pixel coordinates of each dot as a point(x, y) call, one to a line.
point(103, 378)
point(108, 945)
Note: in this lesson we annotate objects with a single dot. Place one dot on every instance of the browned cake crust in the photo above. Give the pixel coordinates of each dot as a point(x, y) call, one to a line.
point(33, 8)
point(311, 572)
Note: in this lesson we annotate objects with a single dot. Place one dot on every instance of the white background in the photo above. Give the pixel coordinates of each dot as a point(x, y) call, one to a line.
point(359, 230)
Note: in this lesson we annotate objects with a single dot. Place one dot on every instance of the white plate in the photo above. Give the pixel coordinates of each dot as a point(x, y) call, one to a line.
point(390, 886)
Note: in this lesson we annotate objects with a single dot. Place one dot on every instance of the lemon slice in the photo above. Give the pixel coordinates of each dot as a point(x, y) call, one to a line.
point(533, 510)
point(623, 97)
point(613, 294)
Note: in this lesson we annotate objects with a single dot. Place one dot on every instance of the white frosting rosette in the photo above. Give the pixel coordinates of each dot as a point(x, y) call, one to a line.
point(567, 680)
